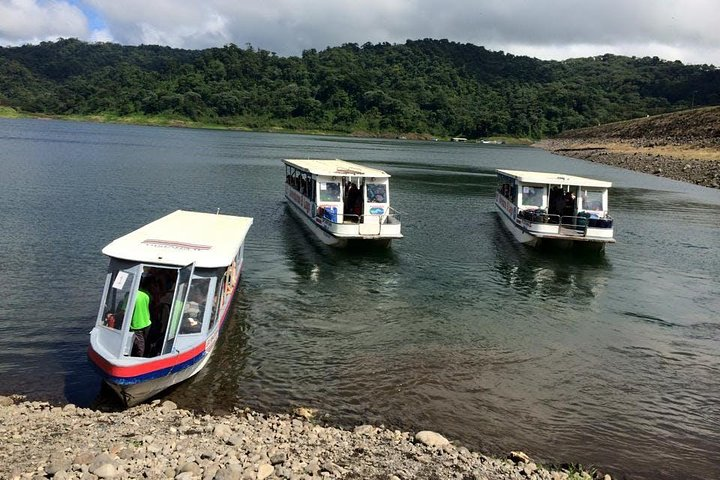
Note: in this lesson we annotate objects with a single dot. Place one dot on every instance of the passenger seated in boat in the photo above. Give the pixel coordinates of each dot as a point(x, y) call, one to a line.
point(140, 323)
point(194, 310)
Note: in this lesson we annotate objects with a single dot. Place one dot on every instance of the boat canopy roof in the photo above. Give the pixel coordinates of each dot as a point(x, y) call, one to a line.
point(181, 238)
point(335, 168)
point(554, 178)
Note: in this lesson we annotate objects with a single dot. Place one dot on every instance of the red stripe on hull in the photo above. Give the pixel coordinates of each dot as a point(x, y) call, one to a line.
point(145, 367)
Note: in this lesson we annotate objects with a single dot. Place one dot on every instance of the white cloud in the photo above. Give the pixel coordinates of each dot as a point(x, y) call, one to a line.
point(547, 29)
point(30, 21)
point(101, 35)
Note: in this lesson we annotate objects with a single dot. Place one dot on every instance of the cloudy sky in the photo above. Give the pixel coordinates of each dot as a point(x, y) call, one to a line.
point(549, 29)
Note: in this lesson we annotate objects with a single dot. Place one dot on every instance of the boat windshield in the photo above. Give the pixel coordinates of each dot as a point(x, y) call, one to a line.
point(376, 193)
point(532, 196)
point(116, 298)
point(329, 191)
point(592, 200)
point(194, 311)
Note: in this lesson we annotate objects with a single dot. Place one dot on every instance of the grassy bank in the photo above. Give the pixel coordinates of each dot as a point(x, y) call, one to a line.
point(252, 125)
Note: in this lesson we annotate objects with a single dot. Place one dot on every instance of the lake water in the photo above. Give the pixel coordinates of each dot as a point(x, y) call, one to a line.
point(611, 361)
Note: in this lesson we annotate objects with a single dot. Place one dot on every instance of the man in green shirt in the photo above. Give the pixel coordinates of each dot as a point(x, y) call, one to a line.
point(140, 323)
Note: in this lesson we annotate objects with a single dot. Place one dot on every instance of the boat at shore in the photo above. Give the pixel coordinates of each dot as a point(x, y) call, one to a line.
point(342, 203)
point(555, 210)
point(177, 275)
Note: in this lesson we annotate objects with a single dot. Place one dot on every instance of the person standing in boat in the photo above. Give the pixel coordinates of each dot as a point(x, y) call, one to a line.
point(354, 202)
point(161, 295)
point(140, 323)
point(570, 204)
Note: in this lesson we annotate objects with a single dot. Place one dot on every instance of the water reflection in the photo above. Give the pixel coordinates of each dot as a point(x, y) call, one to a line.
point(550, 273)
point(444, 181)
point(457, 328)
point(316, 262)
point(217, 386)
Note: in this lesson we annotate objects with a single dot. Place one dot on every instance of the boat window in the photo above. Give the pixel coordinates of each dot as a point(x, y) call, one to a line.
point(504, 190)
point(329, 191)
point(218, 301)
point(194, 311)
point(310, 189)
point(179, 299)
point(592, 200)
point(376, 193)
point(533, 196)
point(214, 297)
point(115, 302)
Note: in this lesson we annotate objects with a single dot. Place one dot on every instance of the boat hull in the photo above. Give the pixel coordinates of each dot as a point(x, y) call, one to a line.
point(548, 241)
point(148, 377)
point(137, 393)
point(333, 240)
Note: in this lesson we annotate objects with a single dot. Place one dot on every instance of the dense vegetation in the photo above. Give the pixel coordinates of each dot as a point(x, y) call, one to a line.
point(427, 86)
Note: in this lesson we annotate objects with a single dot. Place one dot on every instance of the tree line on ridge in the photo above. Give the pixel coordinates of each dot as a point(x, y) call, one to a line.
point(434, 87)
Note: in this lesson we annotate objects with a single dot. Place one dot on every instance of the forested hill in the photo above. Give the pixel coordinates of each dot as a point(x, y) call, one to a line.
point(434, 87)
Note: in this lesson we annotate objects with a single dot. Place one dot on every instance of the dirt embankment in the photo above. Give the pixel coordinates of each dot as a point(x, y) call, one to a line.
point(681, 145)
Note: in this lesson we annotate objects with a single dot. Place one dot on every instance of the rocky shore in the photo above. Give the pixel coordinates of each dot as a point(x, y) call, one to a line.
point(682, 145)
point(705, 172)
point(159, 440)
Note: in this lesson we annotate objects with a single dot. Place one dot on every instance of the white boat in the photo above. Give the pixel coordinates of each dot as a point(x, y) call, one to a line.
point(187, 265)
point(550, 209)
point(342, 203)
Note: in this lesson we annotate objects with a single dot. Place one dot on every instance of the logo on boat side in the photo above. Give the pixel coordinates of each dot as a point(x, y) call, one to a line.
point(300, 200)
point(377, 211)
point(506, 205)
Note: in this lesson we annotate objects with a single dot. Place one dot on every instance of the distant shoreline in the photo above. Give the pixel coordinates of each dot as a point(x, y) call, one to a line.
point(7, 112)
point(699, 166)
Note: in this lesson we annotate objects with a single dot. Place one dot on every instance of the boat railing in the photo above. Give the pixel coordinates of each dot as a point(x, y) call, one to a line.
point(577, 222)
point(538, 216)
point(391, 215)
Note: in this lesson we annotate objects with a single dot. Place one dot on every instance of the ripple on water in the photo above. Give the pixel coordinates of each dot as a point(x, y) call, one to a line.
point(609, 360)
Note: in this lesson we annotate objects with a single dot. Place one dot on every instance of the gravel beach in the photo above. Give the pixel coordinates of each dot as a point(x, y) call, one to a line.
point(682, 145)
point(159, 440)
point(705, 172)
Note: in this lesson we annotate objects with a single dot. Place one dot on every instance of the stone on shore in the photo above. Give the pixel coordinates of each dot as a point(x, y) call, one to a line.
point(264, 471)
point(431, 439)
point(159, 440)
